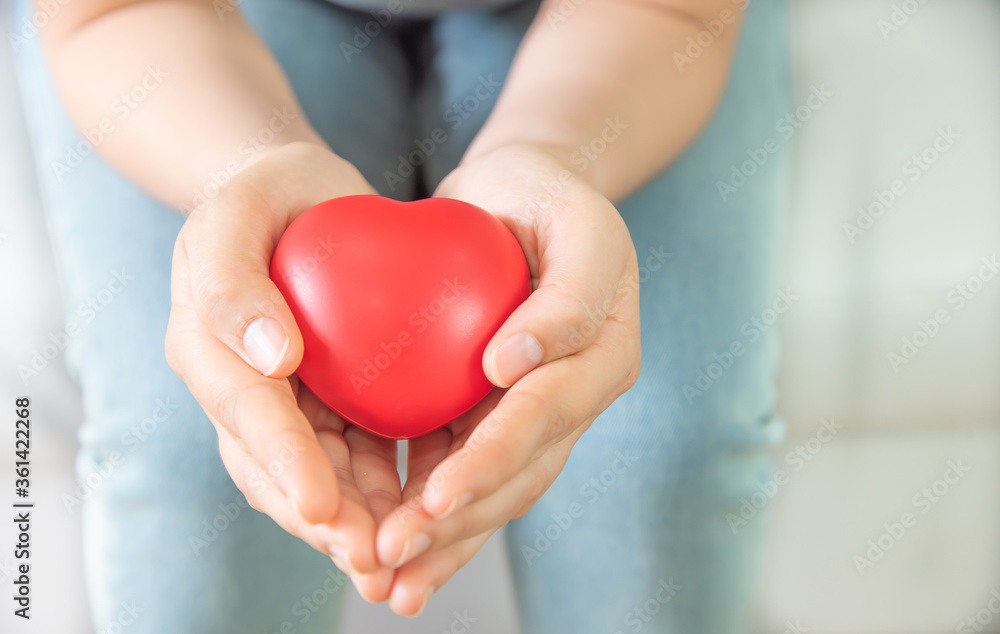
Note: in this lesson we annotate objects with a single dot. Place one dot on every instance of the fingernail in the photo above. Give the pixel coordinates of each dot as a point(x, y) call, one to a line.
point(514, 358)
point(427, 597)
point(265, 343)
point(457, 502)
point(415, 546)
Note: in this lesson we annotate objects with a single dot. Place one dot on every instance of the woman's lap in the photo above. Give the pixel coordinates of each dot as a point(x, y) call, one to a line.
point(645, 499)
point(165, 528)
point(645, 495)
point(698, 427)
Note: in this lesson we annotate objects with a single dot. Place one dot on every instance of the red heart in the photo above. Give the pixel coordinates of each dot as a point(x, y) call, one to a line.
point(396, 303)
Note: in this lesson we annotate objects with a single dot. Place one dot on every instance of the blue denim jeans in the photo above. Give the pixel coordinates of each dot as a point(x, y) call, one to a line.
point(638, 532)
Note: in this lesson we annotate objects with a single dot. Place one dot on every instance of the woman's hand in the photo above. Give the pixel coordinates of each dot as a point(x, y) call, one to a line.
point(233, 340)
point(565, 354)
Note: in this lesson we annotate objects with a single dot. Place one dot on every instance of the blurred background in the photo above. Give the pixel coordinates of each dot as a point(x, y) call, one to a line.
point(893, 348)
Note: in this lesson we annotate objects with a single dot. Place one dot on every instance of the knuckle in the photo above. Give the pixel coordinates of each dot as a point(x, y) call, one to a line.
point(632, 375)
point(462, 526)
point(234, 402)
point(503, 444)
point(283, 446)
point(580, 317)
point(555, 415)
point(529, 404)
point(254, 485)
point(170, 350)
point(246, 479)
point(294, 524)
point(544, 472)
point(227, 410)
point(536, 483)
point(561, 419)
point(343, 473)
point(243, 479)
point(585, 318)
point(216, 293)
point(180, 254)
point(253, 502)
point(581, 306)
point(381, 497)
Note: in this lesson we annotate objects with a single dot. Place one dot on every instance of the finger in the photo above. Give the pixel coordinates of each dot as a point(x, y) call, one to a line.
point(512, 500)
point(263, 496)
point(230, 244)
point(231, 290)
point(373, 460)
point(425, 452)
point(372, 586)
point(371, 477)
point(579, 274)
point(321, 417)
point(262, 416)
point(353, 523)
point(542, 408)
point(417, 581)
point(347, 539)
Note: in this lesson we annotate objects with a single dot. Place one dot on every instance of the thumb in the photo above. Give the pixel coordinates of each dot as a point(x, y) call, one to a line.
point(229, 250)
point(230, 244)
point(579, 271)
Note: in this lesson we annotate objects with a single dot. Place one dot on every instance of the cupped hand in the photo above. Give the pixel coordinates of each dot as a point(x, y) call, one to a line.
point(232, 339)
point(561, 359)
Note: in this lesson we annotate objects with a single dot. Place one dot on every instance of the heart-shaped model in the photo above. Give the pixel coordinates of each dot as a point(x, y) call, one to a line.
point(396, 303)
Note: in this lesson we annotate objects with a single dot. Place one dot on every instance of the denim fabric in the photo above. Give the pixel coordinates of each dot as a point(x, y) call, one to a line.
point(639, 532)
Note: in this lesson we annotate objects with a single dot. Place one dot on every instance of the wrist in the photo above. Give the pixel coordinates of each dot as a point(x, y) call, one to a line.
point(256, 161)
point(562, 159)
point(228, 162)
point(520, 182)
point(289, 177)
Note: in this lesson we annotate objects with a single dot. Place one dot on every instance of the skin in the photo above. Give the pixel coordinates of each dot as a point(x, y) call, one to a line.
point(336, 487)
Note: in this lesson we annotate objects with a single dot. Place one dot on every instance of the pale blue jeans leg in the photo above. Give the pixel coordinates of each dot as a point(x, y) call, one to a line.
point(648, 489)
point(641, 531)
point(170, 544)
